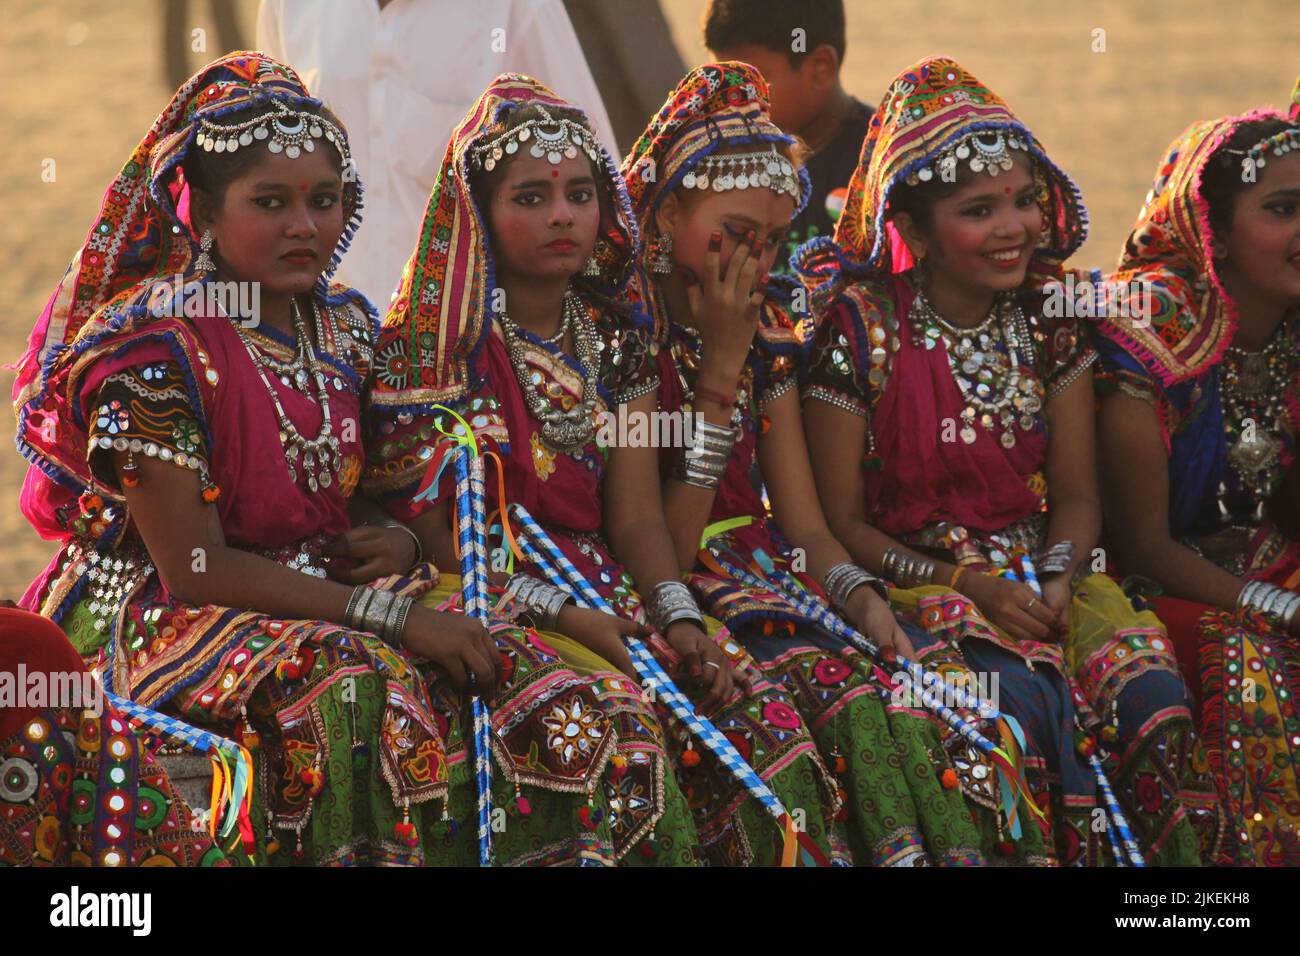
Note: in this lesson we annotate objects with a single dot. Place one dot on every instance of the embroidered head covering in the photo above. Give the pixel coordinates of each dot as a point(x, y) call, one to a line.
point(1169, 251)
point(928, 111)
point(141, 238)
point(718, 106)
point(440, 316)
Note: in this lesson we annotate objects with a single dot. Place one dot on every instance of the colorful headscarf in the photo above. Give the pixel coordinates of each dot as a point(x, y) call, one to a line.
point(1295, 101)
point(141, 237)
point(1192, 320)
point(926, 110)
point(440, 317)
point(716, 106)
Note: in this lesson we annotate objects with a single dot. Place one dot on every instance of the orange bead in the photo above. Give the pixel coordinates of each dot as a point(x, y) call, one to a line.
point(211, 493)
point(949, 779)
point(690, 758)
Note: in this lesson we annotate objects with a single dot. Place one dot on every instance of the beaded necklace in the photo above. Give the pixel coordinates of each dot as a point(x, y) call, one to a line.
point(997, 387)
point(316, 458)
point(563, 430)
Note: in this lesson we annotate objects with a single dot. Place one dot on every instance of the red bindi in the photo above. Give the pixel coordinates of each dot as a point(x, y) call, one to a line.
point(555, 174)
point(1007, 190)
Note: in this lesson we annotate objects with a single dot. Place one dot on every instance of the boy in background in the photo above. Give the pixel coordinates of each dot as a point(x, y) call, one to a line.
point(803, 73)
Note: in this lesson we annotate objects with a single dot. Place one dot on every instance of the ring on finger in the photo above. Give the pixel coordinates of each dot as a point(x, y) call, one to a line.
point(712, 664)
point(1032, 602)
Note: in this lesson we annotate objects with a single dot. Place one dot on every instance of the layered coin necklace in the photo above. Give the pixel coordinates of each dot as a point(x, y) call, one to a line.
point(563, 430)
point(997, 387)
point(1254, 411)
point(317, 459)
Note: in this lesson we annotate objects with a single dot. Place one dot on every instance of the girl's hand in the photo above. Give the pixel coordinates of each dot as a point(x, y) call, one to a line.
point(601, 633)
point(873, 616)
point(1057, 596)
point(370, 552)
point(1011, 605)
point(705, 663)
point(725, 307)
point(460, 646)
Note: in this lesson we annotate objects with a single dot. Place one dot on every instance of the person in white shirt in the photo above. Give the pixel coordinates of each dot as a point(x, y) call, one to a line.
point(401, 74)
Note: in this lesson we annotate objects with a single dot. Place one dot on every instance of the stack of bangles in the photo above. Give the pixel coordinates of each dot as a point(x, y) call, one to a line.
point(842, 579)
point(381, 613)
point(540, 600)
point(1270, 599)
point(907, 570)
point(703, 463)
point(670, 602)
point(1056, 559)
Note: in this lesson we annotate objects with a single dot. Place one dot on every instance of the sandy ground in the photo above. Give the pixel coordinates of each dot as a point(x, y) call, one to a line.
point(80, 80)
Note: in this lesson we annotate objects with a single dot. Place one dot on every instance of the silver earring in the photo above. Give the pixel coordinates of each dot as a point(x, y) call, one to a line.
point(592, 268)
point(660, 262)
point(204, 264)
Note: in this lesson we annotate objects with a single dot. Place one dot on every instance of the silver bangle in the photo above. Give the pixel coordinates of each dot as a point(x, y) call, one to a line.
point(419, 552)
point(1270, 599)
point(1056, 559)
point(542, 601)
point(670, 602)
point(842, 579)
point(349, 614)
point(403, 604)
point(907, 570)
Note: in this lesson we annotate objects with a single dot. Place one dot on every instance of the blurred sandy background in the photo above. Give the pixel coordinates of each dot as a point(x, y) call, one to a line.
point(80, 80)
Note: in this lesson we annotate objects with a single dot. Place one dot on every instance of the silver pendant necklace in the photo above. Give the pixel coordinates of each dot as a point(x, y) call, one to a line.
point(562, 431)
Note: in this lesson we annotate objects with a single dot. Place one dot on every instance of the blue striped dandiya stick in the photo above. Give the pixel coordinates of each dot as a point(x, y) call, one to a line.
point(818, 613)
point(472, 536)
point(1117, 817)
point(543, 553)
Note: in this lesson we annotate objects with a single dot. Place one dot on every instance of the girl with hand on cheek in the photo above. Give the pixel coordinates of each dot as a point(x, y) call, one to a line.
point(951, 424)
point(726, 185)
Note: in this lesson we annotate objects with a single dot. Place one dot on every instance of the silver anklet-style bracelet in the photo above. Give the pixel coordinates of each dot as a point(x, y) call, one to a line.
point(542, 601)
point(1270, 599)
point(907, 570)
point(670, 602)
point(705, 462)
point(842, 579)
point(1056, 559)
point(378, 612)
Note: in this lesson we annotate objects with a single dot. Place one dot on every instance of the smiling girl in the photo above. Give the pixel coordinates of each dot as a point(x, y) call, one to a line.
point(725, 187)
point(199, 470)
point(1199, 413)
point(950, 423)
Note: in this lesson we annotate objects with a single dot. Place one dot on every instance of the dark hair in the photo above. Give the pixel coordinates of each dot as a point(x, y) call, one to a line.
point(214, 172)
point(769, 23)
point(1221, 179)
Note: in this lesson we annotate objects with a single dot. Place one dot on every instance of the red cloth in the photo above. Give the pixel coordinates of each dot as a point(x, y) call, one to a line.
point(38, 644)
point(1182, 620)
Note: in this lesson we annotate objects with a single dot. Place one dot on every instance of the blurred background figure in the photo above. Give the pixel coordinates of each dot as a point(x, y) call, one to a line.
point(799, 48)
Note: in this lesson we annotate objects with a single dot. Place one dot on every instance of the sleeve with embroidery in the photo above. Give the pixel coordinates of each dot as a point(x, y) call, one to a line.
point(632, 371)
point(1064, 353)
point(146, 409)
point(833, 374)
point(777, 354)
